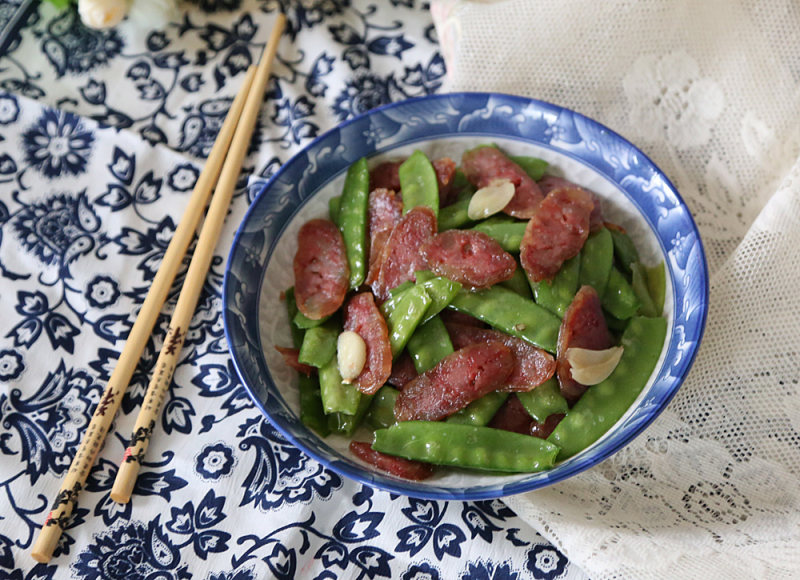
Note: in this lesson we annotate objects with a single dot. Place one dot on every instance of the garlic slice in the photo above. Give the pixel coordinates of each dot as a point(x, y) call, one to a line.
point(351, 355)
point(590, 367)
point(490, 199)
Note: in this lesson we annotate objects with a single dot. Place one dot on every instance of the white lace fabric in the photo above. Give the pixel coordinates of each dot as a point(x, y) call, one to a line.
point(711, 92)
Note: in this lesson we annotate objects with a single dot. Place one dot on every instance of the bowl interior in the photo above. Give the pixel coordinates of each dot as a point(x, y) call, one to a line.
point(634, 193)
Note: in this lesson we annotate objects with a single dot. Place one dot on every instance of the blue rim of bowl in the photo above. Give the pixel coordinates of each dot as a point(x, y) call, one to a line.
point(569, 467)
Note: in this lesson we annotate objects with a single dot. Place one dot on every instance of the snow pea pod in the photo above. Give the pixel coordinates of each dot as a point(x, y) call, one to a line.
point(454, 215)
point(619, 299)
point(429, 344)
point(479, 412)
point(533, 166)
point(624, 249)
point(557, 294)
point(418, 183)
point(519, 283)
point(352, 220)
point(337, 397)
point(381, 411)
point(603, 404)
point(441, 291)
point(334, 204)
point(347, 424)
point(319, 344)
point(303, 322)
point(507, 234)
point(406, 314)
point(597, 258)
point(544, 400)
point(443, 443)
point(639, 285)
point(312, 414)
point(508, 311)
point(292, 311)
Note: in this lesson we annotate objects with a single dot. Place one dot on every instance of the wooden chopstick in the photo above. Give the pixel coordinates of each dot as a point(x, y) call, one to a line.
point(195, 277)
point(142, 328)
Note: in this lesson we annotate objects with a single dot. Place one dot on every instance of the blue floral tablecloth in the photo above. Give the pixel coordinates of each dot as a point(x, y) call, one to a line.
point(102, 135)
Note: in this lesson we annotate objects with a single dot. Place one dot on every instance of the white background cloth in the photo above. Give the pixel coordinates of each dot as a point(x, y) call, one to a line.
point(709, 90)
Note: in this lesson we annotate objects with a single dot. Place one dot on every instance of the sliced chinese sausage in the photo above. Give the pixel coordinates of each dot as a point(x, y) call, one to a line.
point(451, 316)
point(385, 211)
point(583, 326)
point(290, 357)
point(457, 380)
point(403, 371)
point(485, 164)
point(469, 257)
point(401, 254)
point(445, 169)
point(512, 416)
point(385, 176)
point(532, 366)
point(399, 466)
point(550, 182)
point(556, 232)
point(321, 273)
point(362, 316)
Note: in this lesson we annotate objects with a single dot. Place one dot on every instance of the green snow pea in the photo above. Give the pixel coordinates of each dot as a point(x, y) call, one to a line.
point(519, 283)
point(604, 404)
point(454, 215)
point(443, 443)
point(429, 344)
point(337, 397)
point(597, 258)
point(544, 400)
point(624, 249)
point(347, 424)
point(508, 311)
point(462, 184)
point(303, 322)
point(407, 313)
point(334, 204)
point(639, 285)
point(619, 299)
point(291, 311)
point(312, 414)
point(657, 284)
point(507, 234)
point(440, 290)
point(353, 220)
point(533, 166)
point(418, 183)
point(381, 411)
point(480, 411)
point(556, 295)
point(319, 344)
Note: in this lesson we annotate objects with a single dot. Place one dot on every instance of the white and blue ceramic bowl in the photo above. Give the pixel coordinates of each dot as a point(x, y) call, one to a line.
point(636, 195)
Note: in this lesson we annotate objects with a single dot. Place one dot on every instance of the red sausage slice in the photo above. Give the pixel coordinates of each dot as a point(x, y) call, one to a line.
point(385, 212)
point(458, 379)
point(401, 256)
point(485, 164)
point(512, 416)
point(469, 257)
point(543, 430)
point(550, 182)
point(385, 176)
point(532, 366)
point(399, 466)
point(583, 326)
point(556, 233)
point(445, 169)
point(321, 273)
point(363, 317)
point(290, 357)
point(403, 371)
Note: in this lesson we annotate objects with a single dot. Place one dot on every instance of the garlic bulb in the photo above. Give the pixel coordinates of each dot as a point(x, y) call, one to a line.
point(351, 353)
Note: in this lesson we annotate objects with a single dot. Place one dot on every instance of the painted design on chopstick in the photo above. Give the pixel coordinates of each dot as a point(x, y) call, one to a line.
point(141, 435)
point(105, 402)
point(64, 497)
point(174, 340)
